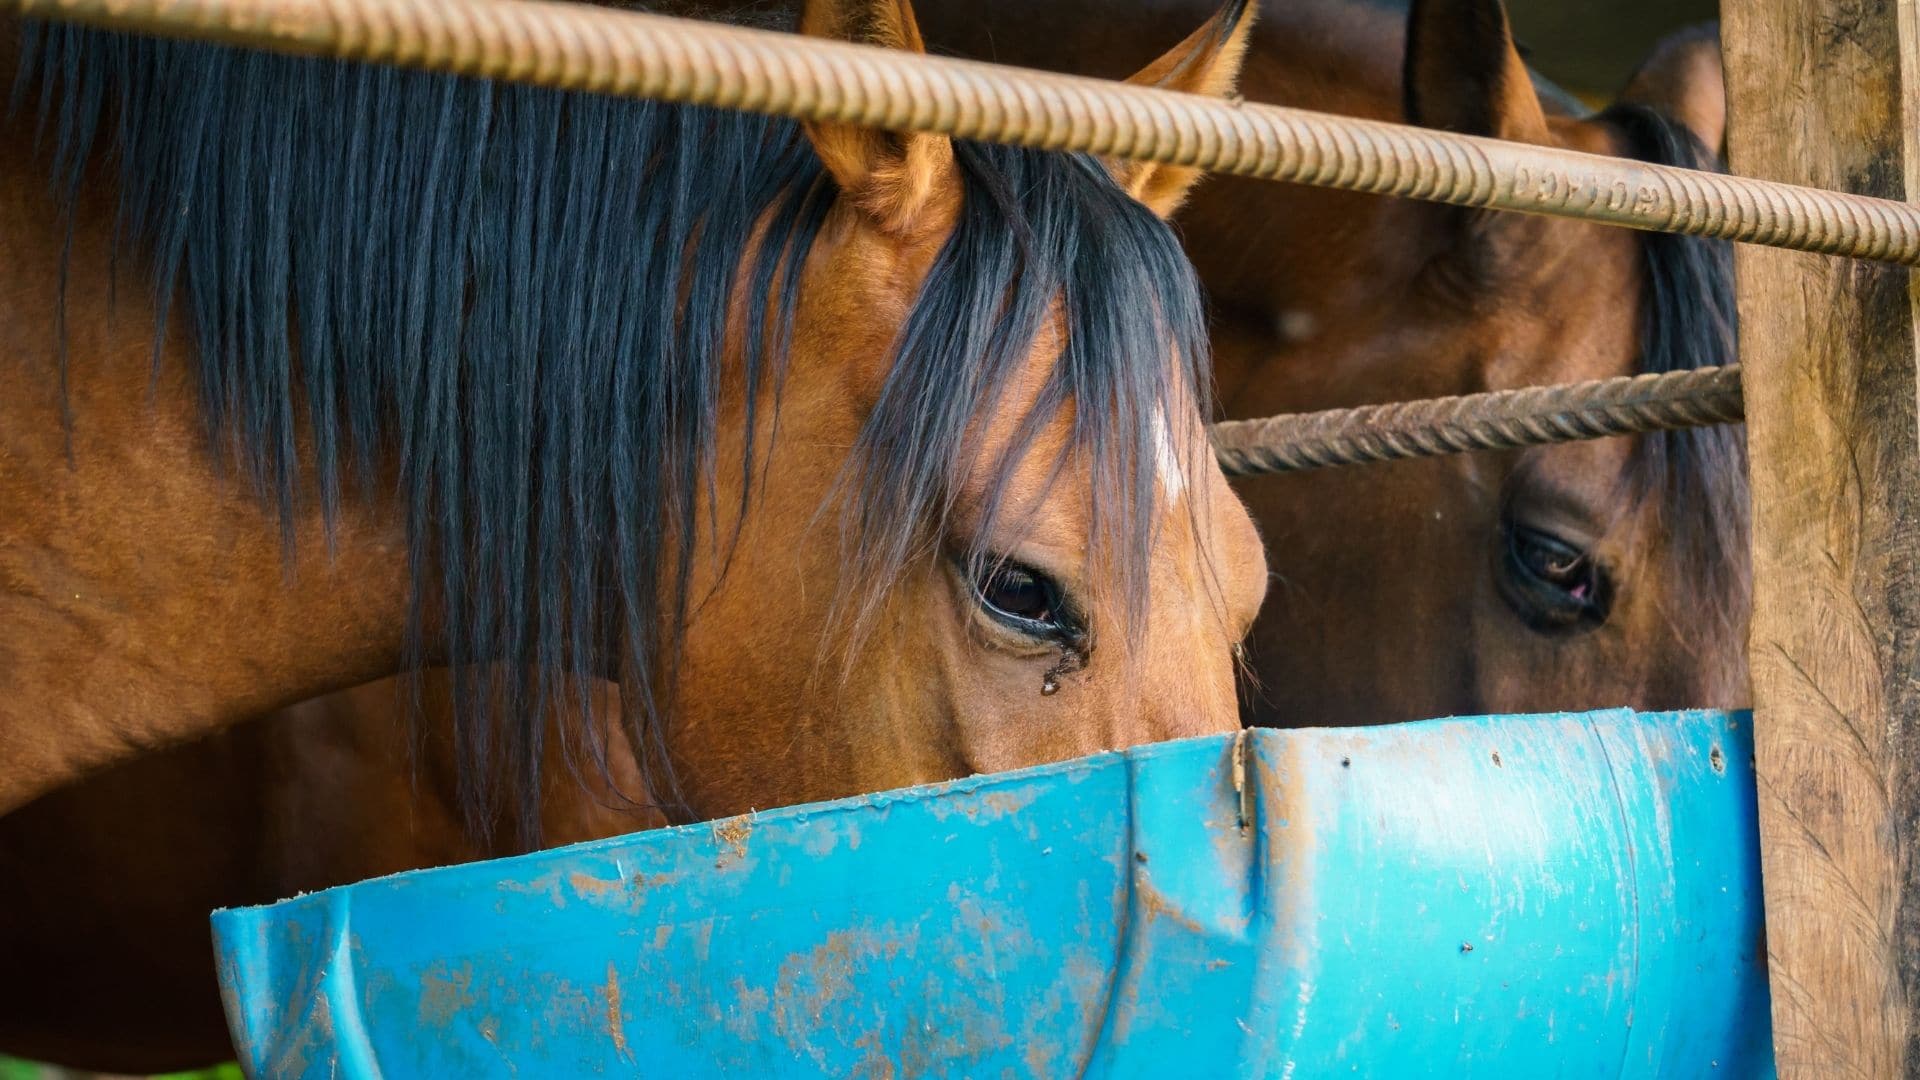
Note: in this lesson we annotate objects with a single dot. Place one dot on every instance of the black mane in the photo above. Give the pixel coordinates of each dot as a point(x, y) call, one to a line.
point(1697, 477)
point(518, 297)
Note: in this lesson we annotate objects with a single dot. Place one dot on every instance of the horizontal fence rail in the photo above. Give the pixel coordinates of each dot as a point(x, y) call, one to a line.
point(582, 47)
point(1500, 420)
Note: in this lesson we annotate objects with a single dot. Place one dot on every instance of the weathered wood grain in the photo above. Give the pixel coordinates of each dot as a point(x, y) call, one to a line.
point(1822, 92)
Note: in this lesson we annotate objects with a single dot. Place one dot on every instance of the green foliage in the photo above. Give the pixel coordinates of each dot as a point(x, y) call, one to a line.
point(15, 1069)
point(229, 1071)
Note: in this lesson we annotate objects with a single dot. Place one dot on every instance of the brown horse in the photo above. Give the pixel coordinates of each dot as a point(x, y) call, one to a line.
point(1597, 574)
point(523, 353)
point(1420, 549)
point(458, 268)
point(1581, 576)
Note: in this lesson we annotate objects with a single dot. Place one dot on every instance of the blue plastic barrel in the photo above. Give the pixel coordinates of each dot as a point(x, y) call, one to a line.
point(1566, 895)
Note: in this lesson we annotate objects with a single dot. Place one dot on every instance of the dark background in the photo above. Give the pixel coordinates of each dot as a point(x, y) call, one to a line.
point(1591, 46)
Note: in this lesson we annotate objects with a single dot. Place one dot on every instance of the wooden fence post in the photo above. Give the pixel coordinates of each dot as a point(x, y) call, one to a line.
point(1823, 92)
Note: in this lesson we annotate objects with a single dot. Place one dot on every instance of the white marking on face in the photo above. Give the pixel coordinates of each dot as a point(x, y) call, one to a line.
point(1166, 460)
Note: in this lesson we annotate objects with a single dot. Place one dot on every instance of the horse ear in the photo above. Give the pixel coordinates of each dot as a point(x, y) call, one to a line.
point(901, 180)
point(1463, 73)
point(1685, 80)
point(1206, 63)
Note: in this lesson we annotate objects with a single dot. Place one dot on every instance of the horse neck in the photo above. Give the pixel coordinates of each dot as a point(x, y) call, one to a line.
point(145, 597)
point(1270, 252)
point(1335, 56)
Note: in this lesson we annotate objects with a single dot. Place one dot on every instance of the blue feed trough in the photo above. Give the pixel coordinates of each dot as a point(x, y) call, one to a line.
point(1573, 895)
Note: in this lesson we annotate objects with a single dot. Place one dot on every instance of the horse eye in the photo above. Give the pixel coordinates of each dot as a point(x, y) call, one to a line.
point(1020, 597)
point(1552, 585)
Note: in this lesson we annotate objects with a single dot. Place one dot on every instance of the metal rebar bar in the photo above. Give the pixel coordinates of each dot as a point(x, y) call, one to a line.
point(1500, 420)
point(604, 50)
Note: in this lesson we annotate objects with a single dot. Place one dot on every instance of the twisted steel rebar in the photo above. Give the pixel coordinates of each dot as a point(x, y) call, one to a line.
point(585, 47)
point(1501, 420)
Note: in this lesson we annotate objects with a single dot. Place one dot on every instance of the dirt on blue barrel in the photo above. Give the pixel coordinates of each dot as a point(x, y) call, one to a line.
point(1565, 895)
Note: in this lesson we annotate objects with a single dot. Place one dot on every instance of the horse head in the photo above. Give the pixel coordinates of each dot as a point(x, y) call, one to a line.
point(1611, 572)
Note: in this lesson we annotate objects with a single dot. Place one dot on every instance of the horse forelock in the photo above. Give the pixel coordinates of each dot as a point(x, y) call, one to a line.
point(1042, 238)
point(1694, 479)
point(522, 296)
